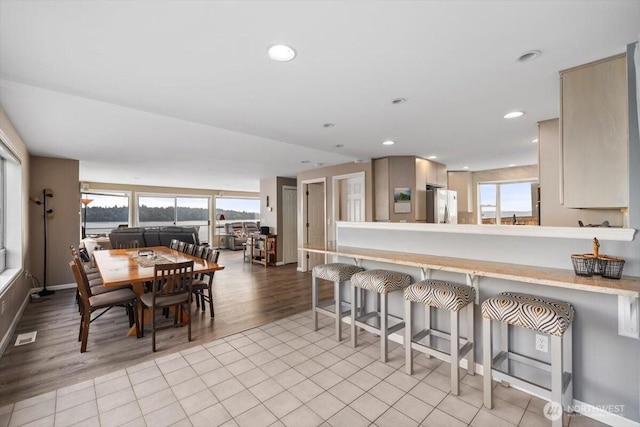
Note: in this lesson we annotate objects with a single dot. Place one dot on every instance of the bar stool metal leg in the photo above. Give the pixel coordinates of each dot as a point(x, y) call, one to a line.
point(455, 349)
point(556, 377)
point(408, 335)
point(567, 341)
point(354, 315)
point(487, 355)
point(384, 332)
point(471, 358)
point(314, 301)
point(338, 310)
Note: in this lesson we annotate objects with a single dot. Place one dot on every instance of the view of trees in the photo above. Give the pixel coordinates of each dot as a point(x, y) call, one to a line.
point(164, 214)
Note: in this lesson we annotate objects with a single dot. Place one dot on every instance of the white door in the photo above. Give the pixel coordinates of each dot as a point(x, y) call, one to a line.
point(289, 225)
point(315, 221)
point(352, 199)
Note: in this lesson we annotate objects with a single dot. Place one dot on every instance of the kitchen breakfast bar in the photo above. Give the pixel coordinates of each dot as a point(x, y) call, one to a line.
point(531, 260)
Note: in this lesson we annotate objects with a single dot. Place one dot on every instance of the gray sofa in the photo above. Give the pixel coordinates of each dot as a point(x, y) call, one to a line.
point(152, 236)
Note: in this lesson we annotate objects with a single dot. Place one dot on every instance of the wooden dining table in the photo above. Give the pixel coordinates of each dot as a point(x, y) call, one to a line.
point(136, 266)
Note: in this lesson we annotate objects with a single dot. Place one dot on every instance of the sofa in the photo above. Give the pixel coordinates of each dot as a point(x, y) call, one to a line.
point(151, 236)
point(238, 231)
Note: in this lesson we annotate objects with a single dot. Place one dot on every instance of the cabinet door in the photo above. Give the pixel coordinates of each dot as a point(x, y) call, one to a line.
point(594, 132)
point(461, 182)
point(441, 175)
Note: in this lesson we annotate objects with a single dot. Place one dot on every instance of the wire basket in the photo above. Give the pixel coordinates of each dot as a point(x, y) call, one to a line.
point(583, 264)
point(610, 267)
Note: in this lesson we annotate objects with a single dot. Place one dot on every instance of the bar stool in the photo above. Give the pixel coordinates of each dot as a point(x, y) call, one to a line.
point(337, 273)
point(447, 296)
point(382, 282)
point(541, 315)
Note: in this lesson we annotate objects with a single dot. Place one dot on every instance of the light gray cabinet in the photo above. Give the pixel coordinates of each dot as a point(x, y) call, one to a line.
point(435, 173)
point(594, 135)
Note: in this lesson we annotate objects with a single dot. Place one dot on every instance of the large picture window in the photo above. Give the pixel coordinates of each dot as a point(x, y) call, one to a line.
point(102, 212)
point(507, 203)
point(162, 210)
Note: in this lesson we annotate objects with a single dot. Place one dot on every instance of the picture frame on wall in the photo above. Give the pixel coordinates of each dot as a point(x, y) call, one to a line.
point(402, 200)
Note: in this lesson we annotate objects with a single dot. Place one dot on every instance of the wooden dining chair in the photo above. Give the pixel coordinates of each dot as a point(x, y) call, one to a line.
point(131, 244)
point(174, 244)
point(189, 248)
point(199, 251)
point(181, 246)
point(171, 288)
point(203, 288)
point(90, 303)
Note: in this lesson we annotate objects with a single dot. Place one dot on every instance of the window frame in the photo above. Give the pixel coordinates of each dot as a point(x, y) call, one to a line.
point(120, 193)
point(498, 205)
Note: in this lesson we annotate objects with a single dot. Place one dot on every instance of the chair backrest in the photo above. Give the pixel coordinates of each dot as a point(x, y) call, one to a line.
point(185, 234)
point(84, 290)
point(83, 275)
point(199, 251)
point(189, 248)
point(121, 237)
point(174, 244)
point(172, 279)
point(181, 246)
point(212, 256)
point(131, 244)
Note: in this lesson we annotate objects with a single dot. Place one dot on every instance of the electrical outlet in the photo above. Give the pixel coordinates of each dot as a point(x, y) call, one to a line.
point(542, 343)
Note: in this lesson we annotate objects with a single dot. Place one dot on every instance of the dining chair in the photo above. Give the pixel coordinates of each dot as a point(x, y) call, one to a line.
point(131, 244)
point(200, 286)
point(174, 244)
point(181, 246)
point(90, 303)
point(171, 288)
point(199, 251)
point(189, 248)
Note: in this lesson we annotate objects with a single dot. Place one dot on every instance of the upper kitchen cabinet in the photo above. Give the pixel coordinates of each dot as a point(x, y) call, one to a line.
point(462, 183)
point(435, 173)
point(594, 135)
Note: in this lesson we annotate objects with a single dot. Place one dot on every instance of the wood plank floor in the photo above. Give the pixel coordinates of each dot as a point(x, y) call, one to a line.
point(246, 296)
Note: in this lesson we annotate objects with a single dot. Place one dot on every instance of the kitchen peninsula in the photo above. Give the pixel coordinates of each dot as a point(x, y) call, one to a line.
point(533, 260)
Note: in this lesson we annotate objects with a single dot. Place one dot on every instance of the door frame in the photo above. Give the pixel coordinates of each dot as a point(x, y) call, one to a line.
point(289, 188)
point(304, 264)
point(336, 197)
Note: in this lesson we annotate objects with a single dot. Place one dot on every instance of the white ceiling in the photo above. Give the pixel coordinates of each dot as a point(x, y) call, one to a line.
point(183, 94)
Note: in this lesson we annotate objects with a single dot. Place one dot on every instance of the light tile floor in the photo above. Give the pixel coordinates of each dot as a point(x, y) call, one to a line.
point(280, 374)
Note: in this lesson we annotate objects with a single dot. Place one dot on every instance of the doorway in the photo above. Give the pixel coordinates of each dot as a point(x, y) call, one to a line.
point(313, 217)
point(289, 225)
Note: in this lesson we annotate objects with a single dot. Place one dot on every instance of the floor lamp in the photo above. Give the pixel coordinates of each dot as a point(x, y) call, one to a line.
point(46, 214)
point(85, 202)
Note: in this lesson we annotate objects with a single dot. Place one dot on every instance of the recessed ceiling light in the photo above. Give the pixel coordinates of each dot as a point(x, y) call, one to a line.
point(432, 157)
point(305, 161)
point(513, 115)
point(339, 145)
point(388, 142)
point(465, 167)
point(328, 125)
point(528, 56)
point(282, 53)
point(535, 141)
point(398, 101)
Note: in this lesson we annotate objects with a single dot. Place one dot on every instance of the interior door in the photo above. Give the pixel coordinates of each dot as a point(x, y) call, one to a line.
point(315, 221)
point(352, 199)
point(289, 225)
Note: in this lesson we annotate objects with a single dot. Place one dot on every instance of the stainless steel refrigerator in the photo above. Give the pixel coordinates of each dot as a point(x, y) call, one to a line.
point(442, 206)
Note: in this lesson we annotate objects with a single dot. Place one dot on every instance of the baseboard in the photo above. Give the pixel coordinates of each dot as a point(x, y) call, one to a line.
point(55, 287)
point(585, 409)
point(14, 324)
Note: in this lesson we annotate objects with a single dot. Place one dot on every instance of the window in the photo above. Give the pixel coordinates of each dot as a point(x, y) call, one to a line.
point(161, 210)
point(11, 215)
point(507, 203)
point(104, 211)
point(231, 209)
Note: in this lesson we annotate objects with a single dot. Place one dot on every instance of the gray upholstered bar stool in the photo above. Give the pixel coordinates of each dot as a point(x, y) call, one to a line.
point(541, 315)
point(381, 282)
point(446, 296)
point(337, 273)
